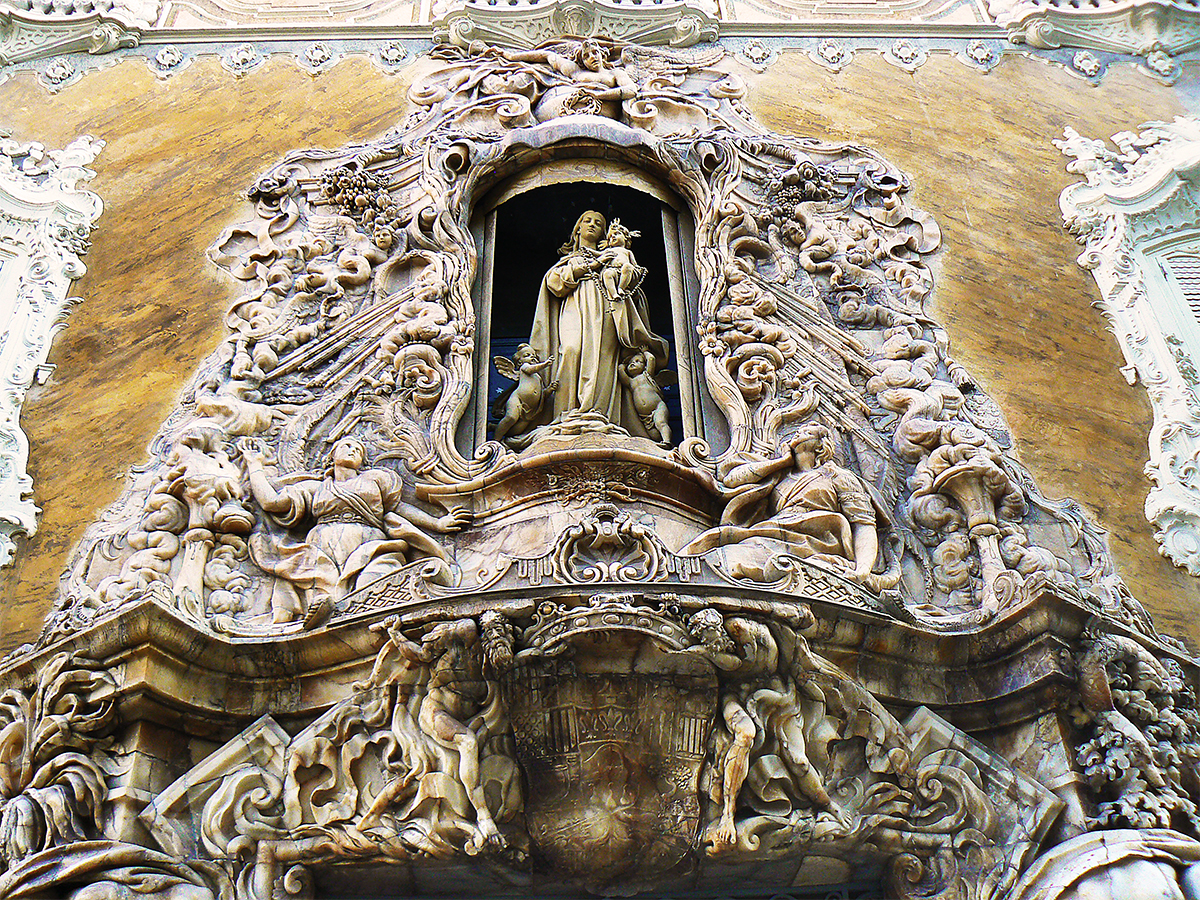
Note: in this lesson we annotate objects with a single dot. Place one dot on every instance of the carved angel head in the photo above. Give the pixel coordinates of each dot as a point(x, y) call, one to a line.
point(349, 452)
point(592, 55)
point(816, 438)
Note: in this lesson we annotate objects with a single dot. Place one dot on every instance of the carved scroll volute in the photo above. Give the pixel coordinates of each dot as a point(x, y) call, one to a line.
point(719, 222)
point(448, 177)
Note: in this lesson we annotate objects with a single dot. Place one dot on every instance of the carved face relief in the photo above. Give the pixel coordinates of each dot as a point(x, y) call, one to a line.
point(589, 229)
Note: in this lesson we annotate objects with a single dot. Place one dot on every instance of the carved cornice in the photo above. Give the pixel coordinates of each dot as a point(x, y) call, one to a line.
point(527, 23)
point(45, 220)
point(1130, 199)
point(26, 36)
point(1141, 27)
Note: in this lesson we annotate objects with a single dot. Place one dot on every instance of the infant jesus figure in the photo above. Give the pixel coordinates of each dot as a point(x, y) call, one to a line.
point(621, 273)
point(637, 375)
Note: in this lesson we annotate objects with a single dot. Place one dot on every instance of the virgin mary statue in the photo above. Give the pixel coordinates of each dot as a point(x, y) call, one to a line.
point(590, 333)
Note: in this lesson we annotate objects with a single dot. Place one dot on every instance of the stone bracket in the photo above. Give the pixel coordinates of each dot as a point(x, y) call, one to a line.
point(528, 24)
point(1139, 27)
point(26, 36)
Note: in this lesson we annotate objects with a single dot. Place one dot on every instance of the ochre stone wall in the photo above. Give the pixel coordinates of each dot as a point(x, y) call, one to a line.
point(978, 148)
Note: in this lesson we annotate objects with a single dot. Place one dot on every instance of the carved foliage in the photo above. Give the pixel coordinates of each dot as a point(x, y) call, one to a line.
point(53, 759)
point(1141, 738)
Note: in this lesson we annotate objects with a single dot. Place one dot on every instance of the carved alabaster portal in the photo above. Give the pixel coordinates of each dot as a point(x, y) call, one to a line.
point(594, 662)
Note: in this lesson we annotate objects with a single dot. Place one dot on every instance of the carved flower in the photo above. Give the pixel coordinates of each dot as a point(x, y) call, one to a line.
point(1161, 62)
point(73, 237)
point(710, 343)
point(906, 51)
point(168, 58)
point(756, 51)
point(1087, 63)
point(393, 54)
point(59, 70)
point(318, 54)
point(242, 59)
point(982, 53)
point(833, 52)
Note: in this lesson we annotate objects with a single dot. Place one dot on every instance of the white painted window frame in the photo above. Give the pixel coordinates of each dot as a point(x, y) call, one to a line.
point(45, 222)
point(1137, 205)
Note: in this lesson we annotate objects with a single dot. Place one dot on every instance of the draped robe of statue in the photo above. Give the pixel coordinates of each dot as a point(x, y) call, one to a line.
point(357, 535)
point(588, 335)
point(811, 515)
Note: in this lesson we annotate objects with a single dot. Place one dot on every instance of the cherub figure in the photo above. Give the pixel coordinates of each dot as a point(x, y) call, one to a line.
point(621, 273)
point(523, 403)
point(637, 374)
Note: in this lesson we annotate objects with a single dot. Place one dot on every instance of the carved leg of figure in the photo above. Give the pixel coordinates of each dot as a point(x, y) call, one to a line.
point(451, 733)
point(789, 730)
point(662, 423)
point(737, 763)
point(189, 586)
point(503, 428)
point(991, 563)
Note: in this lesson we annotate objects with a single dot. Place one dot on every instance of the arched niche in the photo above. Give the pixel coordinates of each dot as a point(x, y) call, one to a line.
point(518, 226)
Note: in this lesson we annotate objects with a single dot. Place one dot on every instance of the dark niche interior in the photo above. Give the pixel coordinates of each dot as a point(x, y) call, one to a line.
point(530, 228)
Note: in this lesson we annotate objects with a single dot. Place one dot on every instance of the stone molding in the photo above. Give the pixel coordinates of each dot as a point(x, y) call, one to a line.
point(530, 22)
point(45, 220)
point(1140, 27)
point(1131, 199)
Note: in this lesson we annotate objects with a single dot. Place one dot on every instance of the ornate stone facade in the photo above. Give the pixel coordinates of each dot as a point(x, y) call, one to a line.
point(363, 627)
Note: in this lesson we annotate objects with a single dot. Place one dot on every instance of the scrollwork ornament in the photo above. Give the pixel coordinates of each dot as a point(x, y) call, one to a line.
point(393, 54)
point(46, 217)
point(167, 59)
point(242, 59)
point(316, 56)
point(757, 53)
point(1141, 172)
point(1087, 63)
point(832, 54)
point(1162, 64)
point(905, 54)
point(983, 54)
point(59, 71)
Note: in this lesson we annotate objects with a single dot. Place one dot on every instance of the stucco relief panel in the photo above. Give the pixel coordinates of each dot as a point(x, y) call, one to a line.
point(1137, 200)
point(46, 218)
